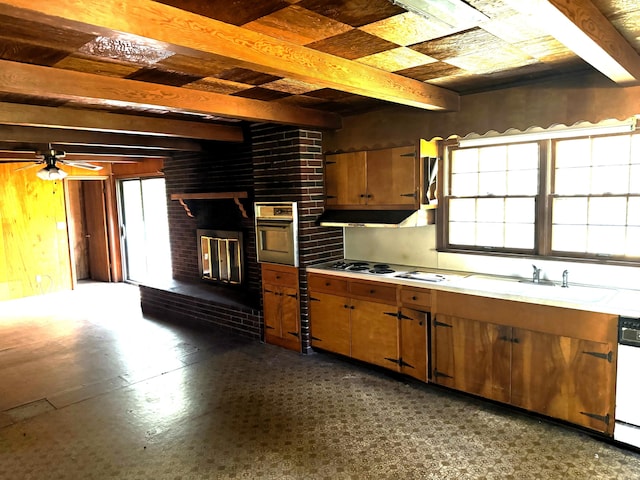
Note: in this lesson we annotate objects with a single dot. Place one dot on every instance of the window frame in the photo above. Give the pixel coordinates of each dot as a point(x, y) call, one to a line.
point(543, 208)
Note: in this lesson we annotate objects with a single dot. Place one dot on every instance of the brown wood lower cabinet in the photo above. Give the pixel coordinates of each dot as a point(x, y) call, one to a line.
point(472, 356)
point(280, 296)
point(563, 377)
point(374, 333)
point(555, 373)
point(363, 320)
point(330, 323)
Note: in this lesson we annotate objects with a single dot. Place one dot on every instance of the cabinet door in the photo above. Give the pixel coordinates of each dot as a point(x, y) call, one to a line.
point(272, 309)
point(472, 356)
point(330, 327)
point(413, 343)
point(374, 333)
point(345, 179)
point(392, 177)
point(565, 378)
point(289, 315)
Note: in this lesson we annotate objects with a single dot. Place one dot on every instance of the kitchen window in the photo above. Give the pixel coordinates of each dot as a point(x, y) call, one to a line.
point(574, 197)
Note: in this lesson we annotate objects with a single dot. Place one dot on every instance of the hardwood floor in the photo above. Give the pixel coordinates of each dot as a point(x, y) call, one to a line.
point(91, 389)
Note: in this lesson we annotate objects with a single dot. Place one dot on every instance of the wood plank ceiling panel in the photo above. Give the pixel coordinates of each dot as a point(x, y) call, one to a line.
point(253, 51)
point(297, 25)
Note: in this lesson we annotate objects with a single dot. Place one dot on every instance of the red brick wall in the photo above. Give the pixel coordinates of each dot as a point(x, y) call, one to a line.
point(276, 163)
point(288, 166)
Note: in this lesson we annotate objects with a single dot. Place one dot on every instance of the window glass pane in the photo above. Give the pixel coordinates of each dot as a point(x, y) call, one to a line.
point(634, 179)
point(569, 238)
point(611, 150)
point(523, 156)
point(612, 179)
point(462, 209)
point(633, 212)
point(464, 160)
point(492, 159)
point(493, 183)
point(608, 211)
point(569, 211)
point(519, 236)
point(490, 234)
point(635, 149)
point(522, 182)
point(609, 240)
point(633, 242)
point(573, 153)
point(462, 233)
point(520, 210)
point(464, 184)
point(573, 181)
point(490, 210)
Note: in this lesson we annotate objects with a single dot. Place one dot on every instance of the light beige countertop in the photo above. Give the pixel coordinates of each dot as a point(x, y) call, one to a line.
point(591, 298)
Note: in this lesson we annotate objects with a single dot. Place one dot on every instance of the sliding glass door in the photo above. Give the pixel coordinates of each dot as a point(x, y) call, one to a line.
point(144, 229)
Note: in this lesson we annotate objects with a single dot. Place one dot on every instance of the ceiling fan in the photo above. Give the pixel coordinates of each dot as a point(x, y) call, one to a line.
point(50, 158)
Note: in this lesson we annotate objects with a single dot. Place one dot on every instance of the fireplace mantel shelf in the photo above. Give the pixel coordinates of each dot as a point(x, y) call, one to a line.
point(236, 196)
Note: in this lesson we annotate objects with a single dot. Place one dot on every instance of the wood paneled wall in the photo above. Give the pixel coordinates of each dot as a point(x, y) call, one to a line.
point(573, 99)
point(34, 241)
point(34, 249)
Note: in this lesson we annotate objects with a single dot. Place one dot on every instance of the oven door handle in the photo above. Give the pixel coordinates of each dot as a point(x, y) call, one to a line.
point(278, 225)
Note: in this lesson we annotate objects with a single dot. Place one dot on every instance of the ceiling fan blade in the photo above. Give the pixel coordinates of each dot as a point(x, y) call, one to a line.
point(17, 160)
point(34, 164)
point(86, 166)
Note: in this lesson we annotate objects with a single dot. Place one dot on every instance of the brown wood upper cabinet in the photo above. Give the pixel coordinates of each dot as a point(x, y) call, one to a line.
point(386, 178)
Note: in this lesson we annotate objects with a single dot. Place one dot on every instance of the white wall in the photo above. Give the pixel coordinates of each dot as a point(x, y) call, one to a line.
point(417, 247)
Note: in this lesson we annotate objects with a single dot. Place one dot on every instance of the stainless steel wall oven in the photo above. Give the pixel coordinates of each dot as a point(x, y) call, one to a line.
point(277, 232)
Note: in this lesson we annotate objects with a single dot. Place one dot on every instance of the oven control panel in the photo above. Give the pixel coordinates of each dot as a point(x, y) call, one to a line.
point(280, 211)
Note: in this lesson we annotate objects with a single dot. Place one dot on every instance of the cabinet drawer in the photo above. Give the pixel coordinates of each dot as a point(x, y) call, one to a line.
point(327, 283)
point(419, 297)
point(374, 292)
point(285, 276)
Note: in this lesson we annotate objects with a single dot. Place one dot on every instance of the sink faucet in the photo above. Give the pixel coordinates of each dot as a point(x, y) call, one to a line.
point(565, 278)
point(536, 274)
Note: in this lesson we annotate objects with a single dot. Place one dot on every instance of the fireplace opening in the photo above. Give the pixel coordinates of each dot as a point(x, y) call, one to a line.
point(220, 256)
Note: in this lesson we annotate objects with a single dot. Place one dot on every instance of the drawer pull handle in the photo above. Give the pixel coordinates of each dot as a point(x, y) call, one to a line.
point(372, 291)
point(327, 284)
point(414, 298)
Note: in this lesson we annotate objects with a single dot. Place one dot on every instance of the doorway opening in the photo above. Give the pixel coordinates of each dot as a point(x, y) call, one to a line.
point(144, 229)
point(88, 234)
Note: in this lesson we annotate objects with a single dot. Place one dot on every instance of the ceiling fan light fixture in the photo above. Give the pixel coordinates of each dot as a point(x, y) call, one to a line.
point(51, 172)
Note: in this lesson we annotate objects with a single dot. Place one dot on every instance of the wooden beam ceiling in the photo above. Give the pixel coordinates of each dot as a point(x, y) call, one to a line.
point(192, 34)
point(96, 90)
point(78, 119)
point(581, 27)
point(62, 137)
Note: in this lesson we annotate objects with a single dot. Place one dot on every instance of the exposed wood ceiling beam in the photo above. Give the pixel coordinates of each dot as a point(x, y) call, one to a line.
point(581, 27)
point(139, 153)
point(78, 119)
point(189, 33)
point(44, 136)
point(90, 89)
point(80, 157)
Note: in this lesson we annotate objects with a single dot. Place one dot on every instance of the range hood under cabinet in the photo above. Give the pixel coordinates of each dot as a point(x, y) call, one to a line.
point(392, 187)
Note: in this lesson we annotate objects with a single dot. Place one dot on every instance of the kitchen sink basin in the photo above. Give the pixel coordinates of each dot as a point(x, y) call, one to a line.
point(544, 291)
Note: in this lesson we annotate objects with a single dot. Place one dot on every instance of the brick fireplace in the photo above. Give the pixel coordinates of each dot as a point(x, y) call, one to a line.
point(276, 163)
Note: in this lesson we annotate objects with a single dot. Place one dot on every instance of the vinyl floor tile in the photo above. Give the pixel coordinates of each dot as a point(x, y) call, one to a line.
point(238, 409)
